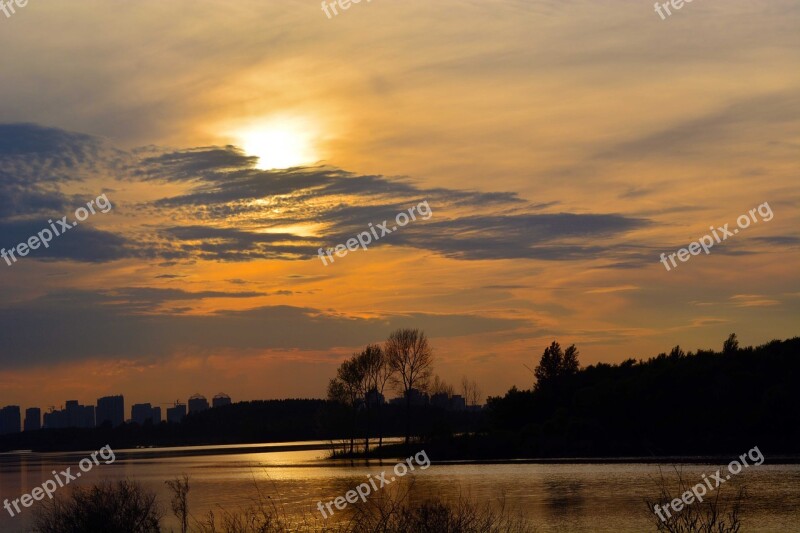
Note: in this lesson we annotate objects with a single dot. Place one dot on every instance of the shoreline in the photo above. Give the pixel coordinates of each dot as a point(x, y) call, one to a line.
point(389, 456)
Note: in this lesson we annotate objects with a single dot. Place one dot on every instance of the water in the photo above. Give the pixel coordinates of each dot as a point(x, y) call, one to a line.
point(555, 497)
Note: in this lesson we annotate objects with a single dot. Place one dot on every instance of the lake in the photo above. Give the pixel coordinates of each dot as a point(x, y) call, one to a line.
point(588, 497)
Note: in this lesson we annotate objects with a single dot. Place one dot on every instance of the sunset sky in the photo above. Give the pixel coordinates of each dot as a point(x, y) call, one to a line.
point(562, 146)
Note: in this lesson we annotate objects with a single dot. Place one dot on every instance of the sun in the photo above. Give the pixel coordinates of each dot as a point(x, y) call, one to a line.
point(280, 143)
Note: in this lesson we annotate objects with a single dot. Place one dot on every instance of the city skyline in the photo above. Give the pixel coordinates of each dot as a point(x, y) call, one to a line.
point(140, 412)
point(73, 414)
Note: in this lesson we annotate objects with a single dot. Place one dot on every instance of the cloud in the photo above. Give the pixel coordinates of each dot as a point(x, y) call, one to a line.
point(716, 128)
point(81, 243)
point(606, 290)
point(38, 145)
point(227, 210)
point(753, 300)
point(560, 236)
point(224, 187)
point(75, 325)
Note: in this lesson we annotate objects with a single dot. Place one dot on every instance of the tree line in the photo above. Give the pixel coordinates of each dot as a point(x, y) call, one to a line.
point(676, 403)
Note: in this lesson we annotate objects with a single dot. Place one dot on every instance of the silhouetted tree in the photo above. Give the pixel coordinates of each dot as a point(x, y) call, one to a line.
point(471, 391)
point(731, 344)
point(556, 364)
point(549, 365)
point(369, 362)
point(570, 364)
point(380, 373)
point(411, 357)
point(346, 388)
point(179, 501)
point(121, 507)
point(439, 386)
point(677, 353)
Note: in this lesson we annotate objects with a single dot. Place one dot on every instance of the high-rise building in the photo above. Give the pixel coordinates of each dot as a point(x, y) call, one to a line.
point(458, 403)
point(33, 419)
point(74, 415)
point(197, 403)
point(79, 416)
point(220, 400)
point(440, 400)
point(175, 415)
point(55, 419)
point(10, 420)
point(110, 409)
point(142, 412)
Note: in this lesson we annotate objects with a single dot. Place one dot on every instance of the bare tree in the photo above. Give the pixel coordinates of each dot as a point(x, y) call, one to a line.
point(411, 357)
point(180, 502)
point(347, 388)
point(369, 362)
point(379, 373)
point(439, 386)
point(472, 392)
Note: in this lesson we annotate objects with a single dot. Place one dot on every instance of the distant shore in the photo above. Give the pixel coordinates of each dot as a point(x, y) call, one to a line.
point(394, 450)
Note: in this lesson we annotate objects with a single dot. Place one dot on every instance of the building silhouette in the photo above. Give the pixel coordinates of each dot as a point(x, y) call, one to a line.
point(175, 415)
point(444, 401)
point(417, 398)
point(33, 419)
point(220, 400)
point(111, 409)
point(56, 419)
point(10, 420)
point(197, 403)
point(458, 403)
point(375, 398)
point(142, 412)
point(441, 400)
point(79, 416)
point(74, 415)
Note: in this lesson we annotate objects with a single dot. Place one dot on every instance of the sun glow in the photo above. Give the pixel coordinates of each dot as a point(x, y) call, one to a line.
point(280, 143)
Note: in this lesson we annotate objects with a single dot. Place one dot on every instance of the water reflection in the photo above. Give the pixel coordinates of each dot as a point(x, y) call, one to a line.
point(556, 498)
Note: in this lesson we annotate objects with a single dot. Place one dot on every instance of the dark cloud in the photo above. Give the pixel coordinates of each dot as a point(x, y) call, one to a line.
point(226, 187)
point(81, 243)
point(25, 200)
point(78, 325)
point(58, 148)
point(779, 240)
point(231, 211)
point(155, 295)
point(559, 236)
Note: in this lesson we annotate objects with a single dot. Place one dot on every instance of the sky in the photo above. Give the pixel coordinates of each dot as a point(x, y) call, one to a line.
point(560, 146)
